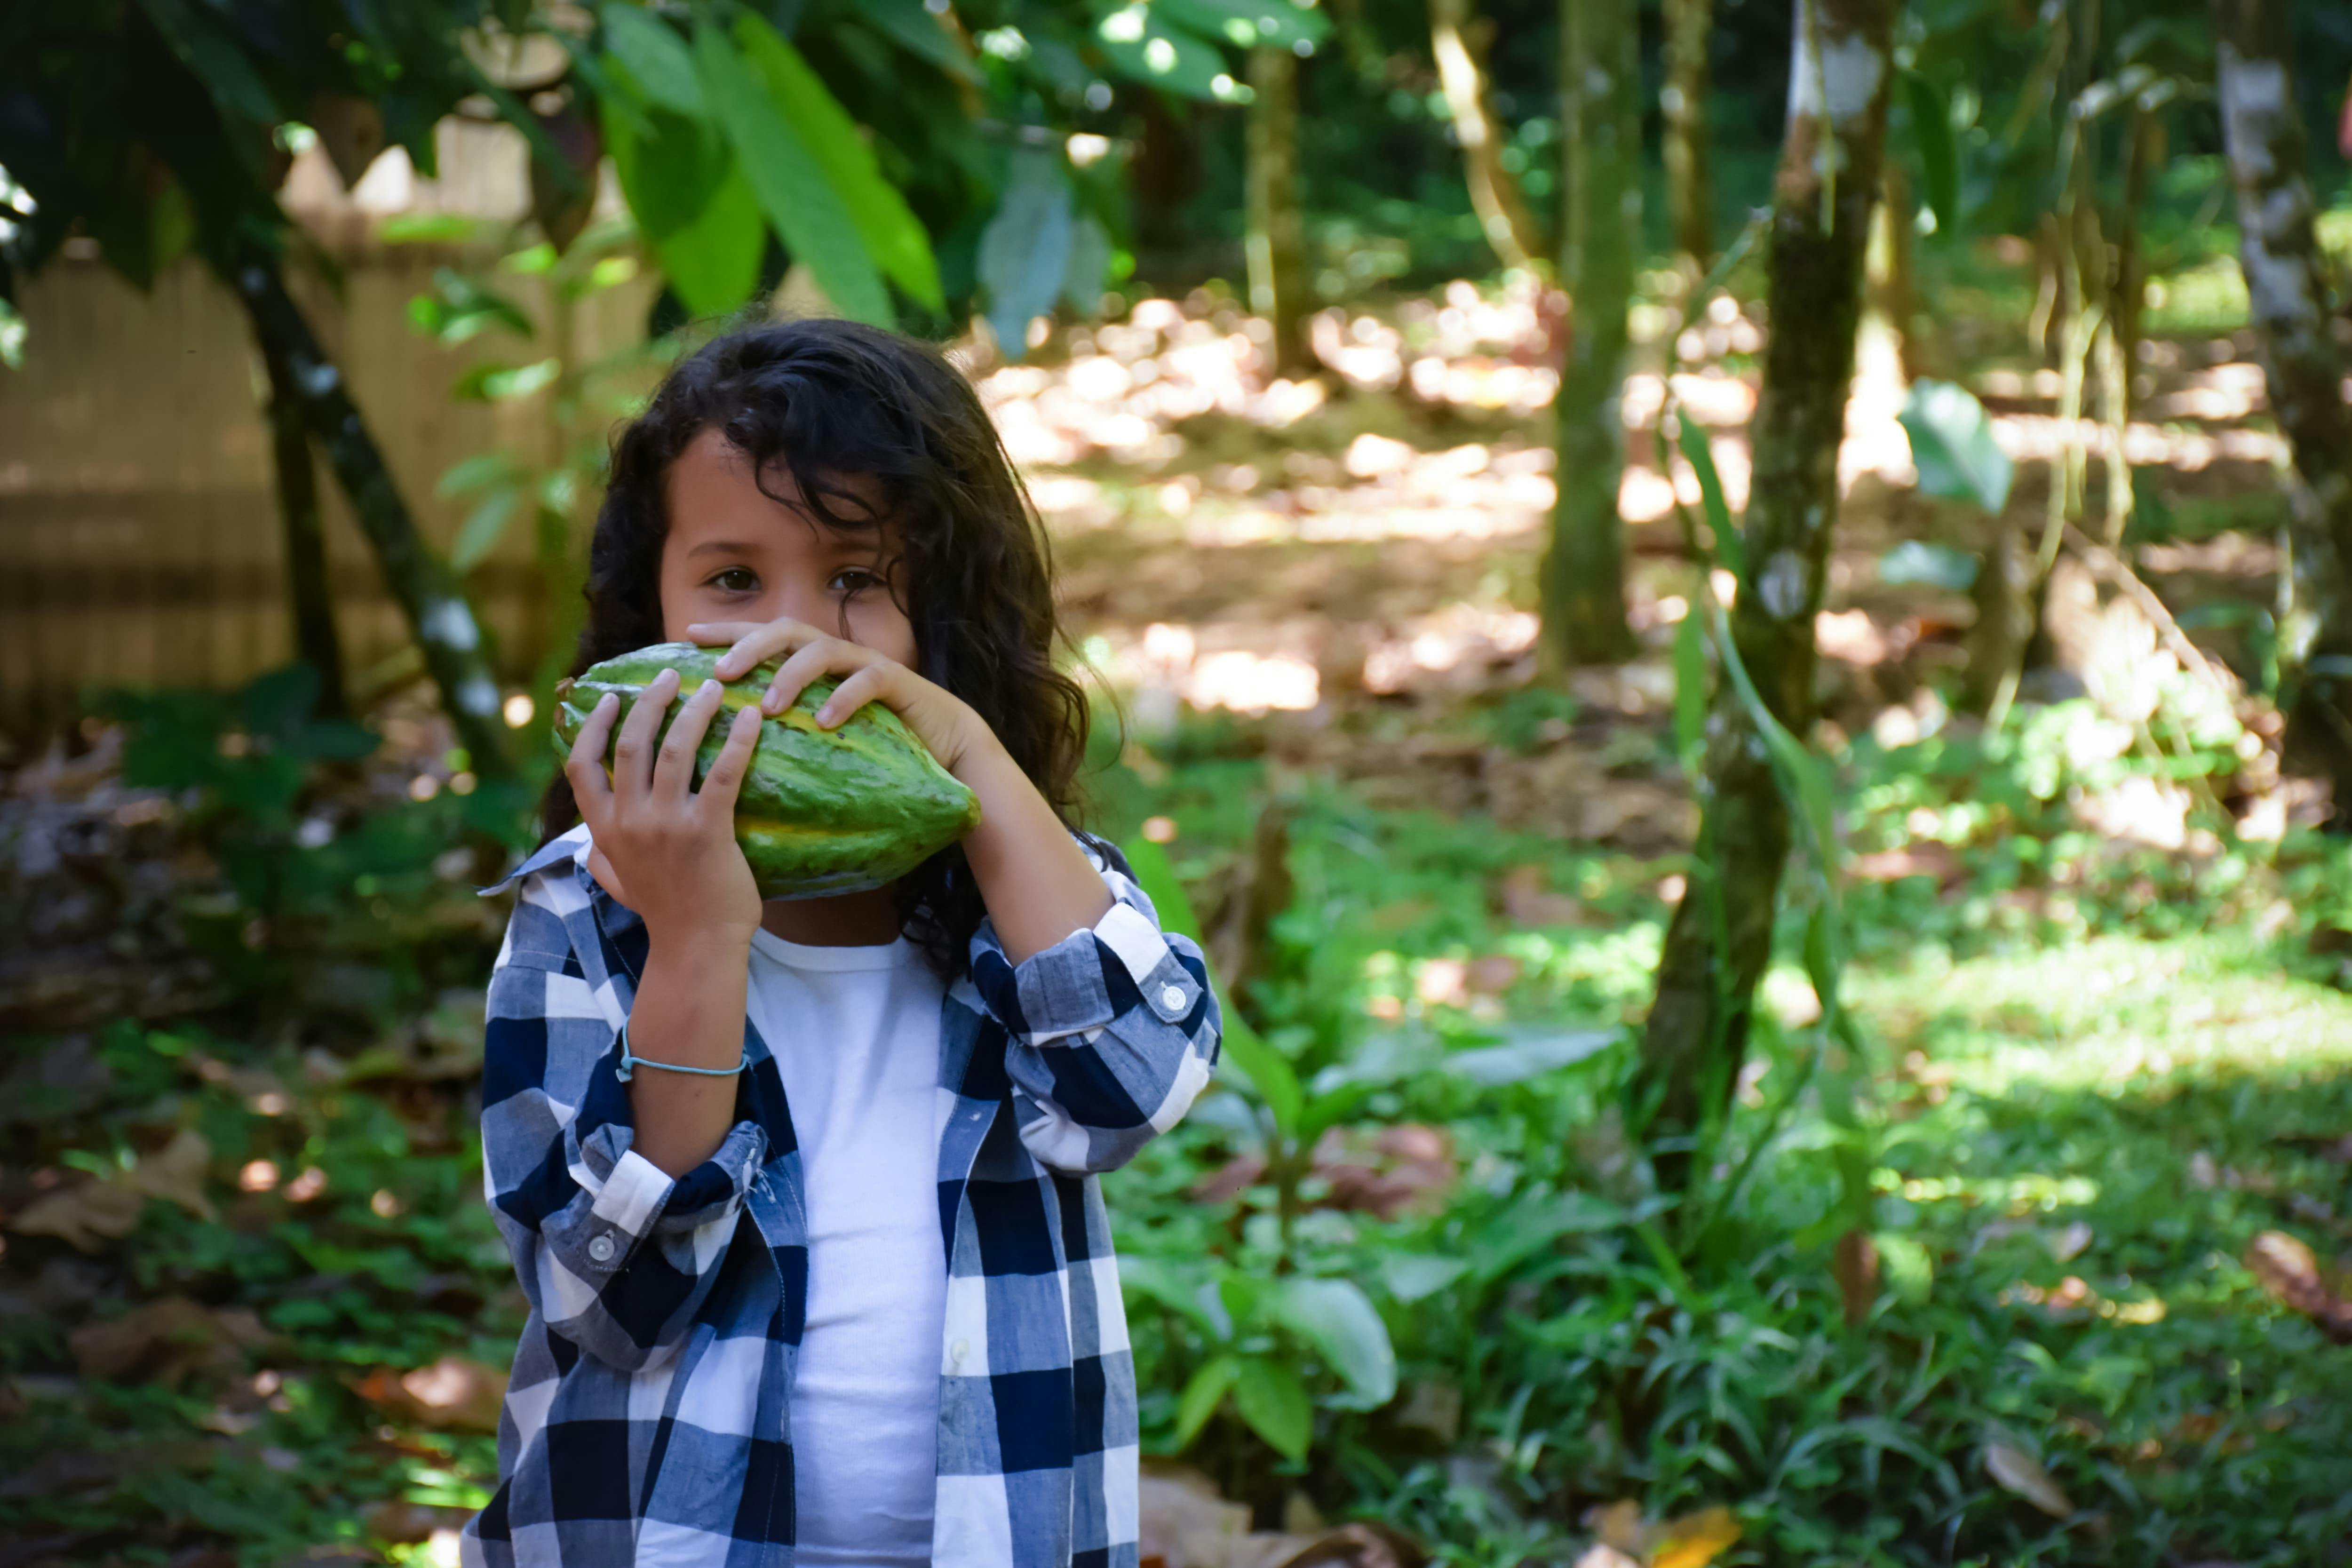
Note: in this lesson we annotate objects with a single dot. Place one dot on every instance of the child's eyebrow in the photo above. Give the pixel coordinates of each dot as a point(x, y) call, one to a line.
point(721, 547)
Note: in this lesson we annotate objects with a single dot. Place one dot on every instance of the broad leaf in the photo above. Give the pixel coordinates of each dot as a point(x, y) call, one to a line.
point(1202, 1395)
point(1933, 565)
point(654, 58)
point(1729, 549)
point(1248, 24)
point(1952, 445)
point(1025, 253)
point(1533, 1223)
point(1339, 1322)
point(693, 206)
point(1939, 154)
point(1412, 1276)
point(1089, 267)
point(1516, 1061)
point(893, 235)
point(483, 529)
point(1144, 48)
point(1275, 1403)
point(910, 25)
point(1169, 1284)
point(789, 180)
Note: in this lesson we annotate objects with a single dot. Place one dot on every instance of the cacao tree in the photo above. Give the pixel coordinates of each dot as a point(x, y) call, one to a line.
point(1720, 935)
point(2303, 368)
point(1690, 191)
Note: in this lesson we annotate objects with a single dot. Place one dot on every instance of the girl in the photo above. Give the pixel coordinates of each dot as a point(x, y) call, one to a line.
point(803, 1194)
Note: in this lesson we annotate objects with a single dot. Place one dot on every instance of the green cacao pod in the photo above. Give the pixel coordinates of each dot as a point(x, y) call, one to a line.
point(821, 811)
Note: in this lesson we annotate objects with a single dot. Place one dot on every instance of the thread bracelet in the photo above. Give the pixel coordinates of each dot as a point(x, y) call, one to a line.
point(631, 1062)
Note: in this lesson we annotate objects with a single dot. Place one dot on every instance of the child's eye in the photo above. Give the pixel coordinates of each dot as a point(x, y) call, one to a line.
point(737, 580)
point(854, 580)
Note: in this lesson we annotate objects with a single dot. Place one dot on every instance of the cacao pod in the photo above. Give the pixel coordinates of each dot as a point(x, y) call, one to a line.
point(821, 811)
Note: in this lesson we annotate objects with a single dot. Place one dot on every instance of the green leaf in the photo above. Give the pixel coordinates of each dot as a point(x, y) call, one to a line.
point(1939, 152)
point(1024, 252)
point(1087, 269)
point(1169, 1283)
point(894, 237)
point(1519, 1060)
point(473, 472)
point(1273, 1402)
point(790, 181)
point(1690, 681)
point(1952, 445)
point(208, 45)
point(1143, 48)
point(1336, 1318)
point(1248, 24)
point(503, 383)
point(481, 533)
point(1533, 1223)
point(1203, 1393)
point(694, 206)
point(1933, 565)
point(428, 228)
point(654, 58)
point(1412, 1277)
point(910, 25)
point(1691, 437)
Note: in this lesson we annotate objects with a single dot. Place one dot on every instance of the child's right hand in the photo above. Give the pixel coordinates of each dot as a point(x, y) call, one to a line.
point(663, 848)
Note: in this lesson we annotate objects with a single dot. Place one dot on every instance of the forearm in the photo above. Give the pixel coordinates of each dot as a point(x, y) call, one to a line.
point(1038, 885)
point(689, 1010)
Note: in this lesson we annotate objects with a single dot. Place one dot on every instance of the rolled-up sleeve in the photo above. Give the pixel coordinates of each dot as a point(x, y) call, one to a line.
point(1112, 1032)
point(616, 1254)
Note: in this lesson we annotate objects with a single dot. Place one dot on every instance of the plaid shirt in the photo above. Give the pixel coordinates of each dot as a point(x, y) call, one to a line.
point(648, 1420)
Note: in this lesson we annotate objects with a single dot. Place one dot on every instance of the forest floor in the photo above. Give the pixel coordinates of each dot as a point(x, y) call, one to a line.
point(252, 1311)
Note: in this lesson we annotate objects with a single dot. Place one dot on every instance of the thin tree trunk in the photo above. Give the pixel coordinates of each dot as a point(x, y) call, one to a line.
point(2287, 286)
point(1278, 230)
point(309, 593)
point(1493, 194)
point(1690, 191)
point(419, 582)
point(1696, 1034)
point(1583, 581)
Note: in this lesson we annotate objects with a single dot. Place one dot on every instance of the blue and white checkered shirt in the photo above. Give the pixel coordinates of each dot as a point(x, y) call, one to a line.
point(648, 1421)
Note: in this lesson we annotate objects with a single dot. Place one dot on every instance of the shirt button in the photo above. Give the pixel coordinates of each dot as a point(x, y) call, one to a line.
point(1173, 997)
point(958, 1350)
point(601, 1249)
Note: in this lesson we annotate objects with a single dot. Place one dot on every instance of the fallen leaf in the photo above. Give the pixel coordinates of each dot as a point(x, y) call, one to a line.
point(2289, 1270)
point(85, 1217)
point(453, 1395)
point(2020, 1473)
point(1618, 1525)
point(163, 1341)
point(1694, 1539)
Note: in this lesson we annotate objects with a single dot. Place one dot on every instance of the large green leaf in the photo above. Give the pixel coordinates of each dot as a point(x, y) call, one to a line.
point(482, 529)
point(654, 57)
point(789, 180)
point(1939, 152)
point(1273, 1402)
point(894, 237)
point(1246, 24)
point(693, 206)
point(1952, 445)
point(1143, 47)
point(1339, 1321)
point(910, 25)
point(1025, 253)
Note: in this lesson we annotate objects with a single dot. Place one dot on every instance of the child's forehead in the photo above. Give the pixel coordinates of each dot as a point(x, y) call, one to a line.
point(712, 491)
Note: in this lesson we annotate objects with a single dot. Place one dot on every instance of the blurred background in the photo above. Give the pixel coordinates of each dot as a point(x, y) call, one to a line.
point(1730, 618)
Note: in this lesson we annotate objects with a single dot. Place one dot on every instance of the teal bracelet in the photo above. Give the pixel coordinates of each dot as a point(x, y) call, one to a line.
point(629, 1063)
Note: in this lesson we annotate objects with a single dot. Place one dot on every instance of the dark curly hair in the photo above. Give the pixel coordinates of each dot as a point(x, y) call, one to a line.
point(835, 401)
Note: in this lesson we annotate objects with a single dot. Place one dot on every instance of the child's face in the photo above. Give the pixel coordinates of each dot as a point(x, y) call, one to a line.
point(735, 554)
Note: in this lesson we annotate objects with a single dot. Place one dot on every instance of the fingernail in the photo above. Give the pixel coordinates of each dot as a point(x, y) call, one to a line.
point(824, 714)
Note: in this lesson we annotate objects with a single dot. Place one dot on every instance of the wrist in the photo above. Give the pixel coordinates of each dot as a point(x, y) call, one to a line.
point(698, 941)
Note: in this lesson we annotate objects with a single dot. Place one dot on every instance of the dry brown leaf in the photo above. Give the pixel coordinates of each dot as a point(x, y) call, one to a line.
point(1694, 1539)
point(163, 1341)
point(1619, 1526)
point(86, 1216)
point(2289, 1270)
point(452, 1394)
point(175, 1173)
point(2019, 1472)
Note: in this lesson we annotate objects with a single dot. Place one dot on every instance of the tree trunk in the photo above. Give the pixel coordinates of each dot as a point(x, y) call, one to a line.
point(437, 614)
point(2304, 367)
point(1583, 582)
point(1278, 230)
point(1690, 192)
point(1696, 1034)
point(1493, 194)
point(309, 595)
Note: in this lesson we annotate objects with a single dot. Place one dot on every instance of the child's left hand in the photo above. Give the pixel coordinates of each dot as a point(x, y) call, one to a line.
point(944, 722)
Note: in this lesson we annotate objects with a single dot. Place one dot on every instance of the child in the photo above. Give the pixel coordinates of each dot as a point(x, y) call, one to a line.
point(803, 1193)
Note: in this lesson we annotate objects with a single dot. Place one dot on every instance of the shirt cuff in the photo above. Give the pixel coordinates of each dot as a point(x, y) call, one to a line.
point(1088, 979)
point(632, 1198)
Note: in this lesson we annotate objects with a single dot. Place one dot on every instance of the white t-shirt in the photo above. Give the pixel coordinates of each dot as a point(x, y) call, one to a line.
point(855, 1031)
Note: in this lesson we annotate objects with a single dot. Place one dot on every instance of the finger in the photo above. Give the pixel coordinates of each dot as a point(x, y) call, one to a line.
point(633, 752)
point(760, 644)
point(584, 765)
point(829, 655)
point(714, 633)
point(606, 877)
point(871, 684)
point(674, 764)
point(733, 765)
